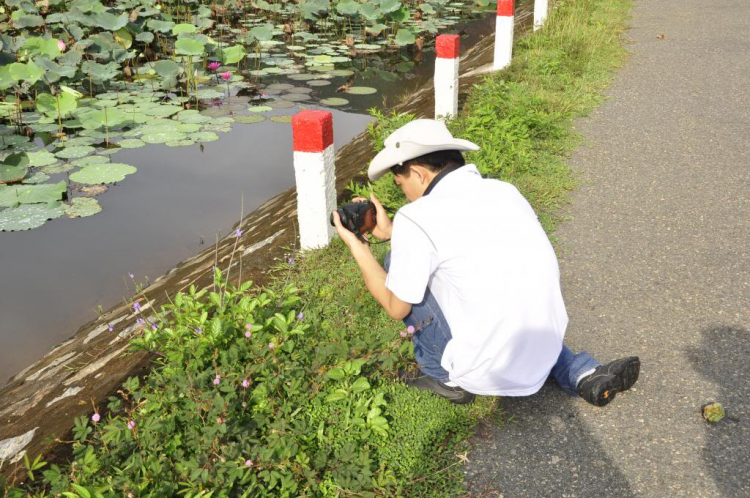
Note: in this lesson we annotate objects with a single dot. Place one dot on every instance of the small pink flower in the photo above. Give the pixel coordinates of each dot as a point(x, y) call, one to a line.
point(131, 424)
point(245, 383)
point(95, 417)
point(248, 334)
point(271, 345)
point(61, 45)
point(410, 329)
point(402, 333)
point(213, 66)
point(248, 463)
point(226, 76)
point(217, 380)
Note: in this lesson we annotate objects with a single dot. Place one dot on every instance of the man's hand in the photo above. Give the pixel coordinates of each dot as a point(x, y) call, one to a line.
point(384, 229)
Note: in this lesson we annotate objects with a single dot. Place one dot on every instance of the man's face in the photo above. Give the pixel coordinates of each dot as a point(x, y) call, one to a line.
point(411, 185)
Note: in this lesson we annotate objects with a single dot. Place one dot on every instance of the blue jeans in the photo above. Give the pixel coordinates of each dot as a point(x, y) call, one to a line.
point(433, 333)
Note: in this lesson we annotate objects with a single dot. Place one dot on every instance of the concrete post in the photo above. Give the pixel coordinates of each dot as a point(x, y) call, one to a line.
point(314, 170)
point(446, 76)
point(540, 13)
point(503, 34)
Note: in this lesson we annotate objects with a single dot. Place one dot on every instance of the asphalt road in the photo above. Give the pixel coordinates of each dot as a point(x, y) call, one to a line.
point(655, 261)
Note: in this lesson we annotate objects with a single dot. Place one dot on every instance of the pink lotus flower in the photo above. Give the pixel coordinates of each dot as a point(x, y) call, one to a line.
point(61, 45)
point(249, 463)
point(245, 383)
point(410, 329)
point(217, 380)
point(131, 424)
point(95, 417)
point(225, 76)
point(213, 66)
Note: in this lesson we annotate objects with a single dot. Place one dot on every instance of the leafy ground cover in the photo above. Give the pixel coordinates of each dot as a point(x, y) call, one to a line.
point(290, 390)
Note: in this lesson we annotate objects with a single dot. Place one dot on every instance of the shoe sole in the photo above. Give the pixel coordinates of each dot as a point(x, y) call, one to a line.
point(622, 379)
point(457, 397)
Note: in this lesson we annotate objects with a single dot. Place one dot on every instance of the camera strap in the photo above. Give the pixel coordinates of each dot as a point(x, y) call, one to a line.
point(440, 176)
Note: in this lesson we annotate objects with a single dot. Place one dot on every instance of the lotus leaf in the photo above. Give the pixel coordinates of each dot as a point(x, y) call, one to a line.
point(55, 169)
point(40, 46)
point(123, 38)
point(81, 207)
point(427, 8)
point(377, 28)
point(189, 46)
point(180, 143)
point(295, 97)
point(259, 108)
point(304, 76)
point(160, 26)
point(102, 173)
point(401, 15)
point(28, 21)
point(131, 143)
point(347, 8)
point(204, 136)
point(188, 127)
point(41, 158)
point(209, 94)
point(100, 72)
point(163, 110)
point(281, 104)
point(370, 11)
point(233, 54)
point(405, 37)
point(282, 119)
point(89, 161)
point(11, 174)
point(32, 194)
point(322, 59)
point(163, 137)
point(111, 22)
point(145, 37)
point(194, 118)
point(318, 82)
point(80, 140)
point(29, 72)
point(109, 118)
point(37, 177)
point(262, 33)
point(361, 90)
point(180, 29)
point(75, 152)
point(367, 47)
point(29, 216)
point(334, 101)
point(61, 106)
point(249, 119)
point(300, 89)
point(225, 120)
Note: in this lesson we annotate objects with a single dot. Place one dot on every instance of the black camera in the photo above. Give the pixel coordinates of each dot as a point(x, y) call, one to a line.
point(358, 217)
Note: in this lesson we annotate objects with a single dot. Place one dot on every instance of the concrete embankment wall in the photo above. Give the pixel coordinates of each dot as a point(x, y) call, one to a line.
point(38, 405)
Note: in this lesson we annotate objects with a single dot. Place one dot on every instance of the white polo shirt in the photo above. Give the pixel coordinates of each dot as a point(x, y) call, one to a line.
point(479, 247)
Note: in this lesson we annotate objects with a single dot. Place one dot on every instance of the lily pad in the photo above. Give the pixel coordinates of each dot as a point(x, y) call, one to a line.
point(56, 169)
point(87, 161)
point(7, 141)
point(188, 127)
point(28, 216)
point(334, 101)
point(204, 136)
point(74, 152)
point(258, 108)
point(36, 178)
point(41, 158)
point(300, 89)
point(249, 119)
point(131, 143)
point(163, 137)
point(279, 86)
point(215, 112)
point(10, 174)
point(282, 119)
point(295, 97)
point(281, 104)
point(318, 82)
point(103, 173)
point(32, 194)
point(361, 90)
point(81, 207)
point(302, 77)
point(180, 143)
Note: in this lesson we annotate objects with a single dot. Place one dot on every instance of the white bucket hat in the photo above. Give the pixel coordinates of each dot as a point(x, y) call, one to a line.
point(414, 139)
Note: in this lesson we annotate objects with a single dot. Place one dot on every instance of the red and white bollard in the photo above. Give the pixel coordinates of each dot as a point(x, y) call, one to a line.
point(540, 13)
point(446, 76)
point(503, 34)
point(315, 173)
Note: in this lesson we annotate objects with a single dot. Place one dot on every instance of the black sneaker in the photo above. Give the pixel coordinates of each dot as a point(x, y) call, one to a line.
point(600, 387)
point(421, 381)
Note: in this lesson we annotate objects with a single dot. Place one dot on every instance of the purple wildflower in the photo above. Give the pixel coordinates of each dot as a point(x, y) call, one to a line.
point(140, 321)
point(245, 383)
point(155, 327)
point(271, 345)
point(402, 333)
point(410, 329)
point(300, 316)
point(249, 463)
point(290, 261)
point(110, 327)
point(95, 417)
point(217, 380)
point(137, 307)
point(198, 331)
point(248, 334)
point(238, 233)
point(131, 424)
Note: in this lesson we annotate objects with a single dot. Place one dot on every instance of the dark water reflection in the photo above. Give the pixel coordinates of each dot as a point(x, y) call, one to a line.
point(54, 277)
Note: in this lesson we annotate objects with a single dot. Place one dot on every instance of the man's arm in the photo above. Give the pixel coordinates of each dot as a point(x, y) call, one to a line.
point(373, 273)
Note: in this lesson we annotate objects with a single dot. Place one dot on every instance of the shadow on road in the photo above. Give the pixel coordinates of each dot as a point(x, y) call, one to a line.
point(546, 451)
point(722, 359)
